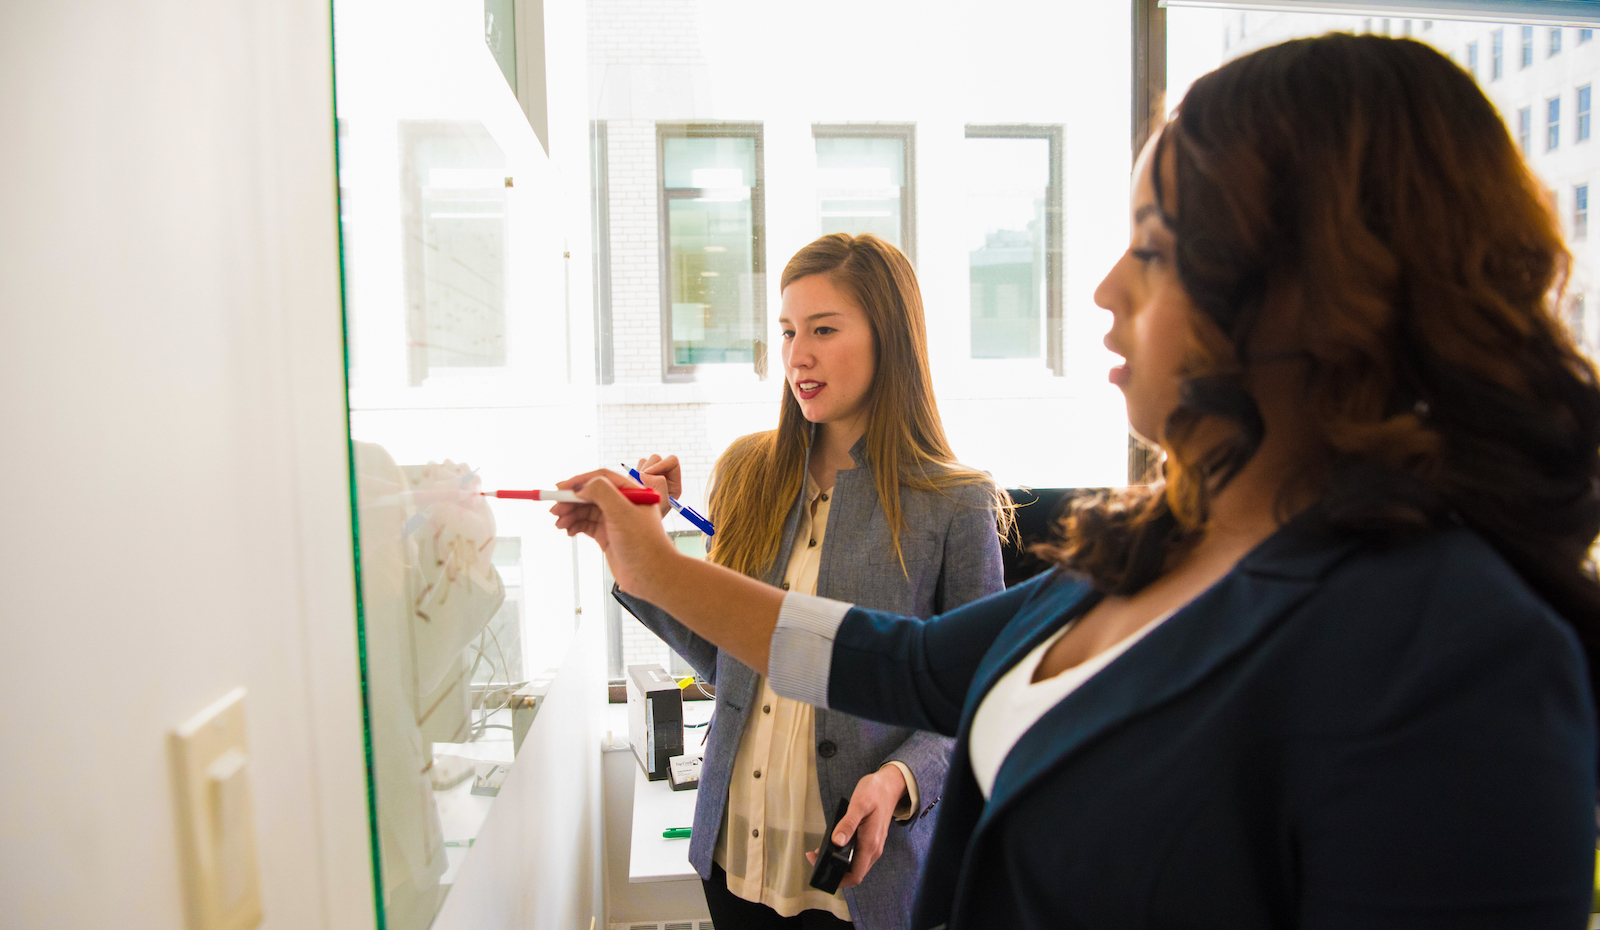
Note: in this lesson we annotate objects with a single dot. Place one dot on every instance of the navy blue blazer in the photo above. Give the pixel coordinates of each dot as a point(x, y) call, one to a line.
point(1335, 735)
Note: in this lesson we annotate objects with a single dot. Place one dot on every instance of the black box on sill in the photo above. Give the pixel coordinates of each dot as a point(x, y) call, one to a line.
point(655, 718)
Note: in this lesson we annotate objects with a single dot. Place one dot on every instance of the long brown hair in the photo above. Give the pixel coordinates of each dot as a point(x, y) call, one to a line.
point(1364, 190)
point(760, 476)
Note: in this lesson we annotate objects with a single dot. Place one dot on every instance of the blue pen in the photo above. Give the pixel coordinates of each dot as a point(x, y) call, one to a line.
point(701, 523)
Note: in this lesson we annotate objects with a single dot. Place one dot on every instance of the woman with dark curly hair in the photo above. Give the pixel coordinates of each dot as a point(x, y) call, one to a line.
point(1330, 672)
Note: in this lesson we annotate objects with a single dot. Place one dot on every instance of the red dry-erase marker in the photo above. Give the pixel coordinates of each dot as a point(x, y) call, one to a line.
point(637, 495)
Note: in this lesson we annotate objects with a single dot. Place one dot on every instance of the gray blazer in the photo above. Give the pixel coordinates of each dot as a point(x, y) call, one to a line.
point(952, 555)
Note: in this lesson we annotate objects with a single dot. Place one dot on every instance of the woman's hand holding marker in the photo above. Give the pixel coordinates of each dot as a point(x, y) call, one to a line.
point(632, 538)
point(663, 474)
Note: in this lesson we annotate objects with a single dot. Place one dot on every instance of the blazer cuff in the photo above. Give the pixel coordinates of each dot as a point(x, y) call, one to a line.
point(801, 656)
point(908, 805)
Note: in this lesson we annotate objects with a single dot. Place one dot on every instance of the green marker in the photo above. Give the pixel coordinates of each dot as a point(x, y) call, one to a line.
point(675, 833)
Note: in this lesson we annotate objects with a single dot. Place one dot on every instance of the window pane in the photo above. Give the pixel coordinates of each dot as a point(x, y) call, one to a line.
point(720, 163)
point(711, 257)
point(455, 219)
point(1007, 200)
point(861, 186)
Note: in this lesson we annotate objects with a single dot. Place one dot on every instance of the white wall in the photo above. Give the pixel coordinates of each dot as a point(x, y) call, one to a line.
point(176, 509)
point(175, 479)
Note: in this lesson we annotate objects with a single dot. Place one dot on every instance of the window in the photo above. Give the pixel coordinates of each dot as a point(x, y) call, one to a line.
point(1497, 44)
point(453, 175)
point(1472, 59)
point(1575, 318)
point(864, 182)
point(1527, 46)
point(1524, 128)
point(1013, 242)
point(1580, 212)
point(1585, 35)
point(1555, 40)
point(1552, 124)
point(1583, 113)
point(1366, 25)
point(1386, 25)
point(1405, 27)
point(713, 288)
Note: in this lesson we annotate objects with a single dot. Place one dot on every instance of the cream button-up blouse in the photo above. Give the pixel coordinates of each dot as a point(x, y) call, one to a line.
point(774, 814)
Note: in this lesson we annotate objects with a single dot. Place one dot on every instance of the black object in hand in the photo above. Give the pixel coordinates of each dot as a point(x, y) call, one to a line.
point(833, 862)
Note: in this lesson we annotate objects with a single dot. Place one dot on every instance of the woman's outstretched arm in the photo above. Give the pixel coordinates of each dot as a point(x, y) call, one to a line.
point(735, 612)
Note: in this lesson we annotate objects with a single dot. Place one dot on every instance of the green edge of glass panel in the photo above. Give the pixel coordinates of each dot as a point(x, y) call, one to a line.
point(355, 505)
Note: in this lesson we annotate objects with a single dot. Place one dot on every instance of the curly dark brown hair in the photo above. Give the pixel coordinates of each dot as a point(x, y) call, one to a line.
point(1363, 191)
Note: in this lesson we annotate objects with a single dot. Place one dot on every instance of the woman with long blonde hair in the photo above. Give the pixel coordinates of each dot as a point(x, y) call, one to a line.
point(855, 495)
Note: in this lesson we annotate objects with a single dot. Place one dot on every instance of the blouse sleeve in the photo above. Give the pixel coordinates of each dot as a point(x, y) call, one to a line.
point(802, 647)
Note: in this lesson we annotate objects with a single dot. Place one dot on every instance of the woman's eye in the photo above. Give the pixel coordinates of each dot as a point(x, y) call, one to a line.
point(1145, 256)
point(824, 330)
point(788, 334)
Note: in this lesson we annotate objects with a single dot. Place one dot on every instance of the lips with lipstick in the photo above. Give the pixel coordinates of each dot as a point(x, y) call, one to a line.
point(1118, 375)
point(808, 388)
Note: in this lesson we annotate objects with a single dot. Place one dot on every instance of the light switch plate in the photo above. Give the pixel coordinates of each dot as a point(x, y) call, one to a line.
point(211, 769)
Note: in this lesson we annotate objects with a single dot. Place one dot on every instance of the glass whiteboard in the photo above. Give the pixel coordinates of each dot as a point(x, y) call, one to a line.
point(460, 368)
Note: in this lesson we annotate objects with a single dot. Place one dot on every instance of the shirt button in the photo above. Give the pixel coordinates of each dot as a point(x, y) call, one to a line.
point(812, 544)
point(758, 773)
point(785, 586)
point(766, 708)
point(755, 833)
point(824, 497)
point(826, 749)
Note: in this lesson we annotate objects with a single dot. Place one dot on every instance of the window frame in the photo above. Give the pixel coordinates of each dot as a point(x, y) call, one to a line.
point(907, 134)
point(1525, 51)
point(1497, 54)
point(702, 129)
point(1584, 114)
point(600, 219)
point(1055, 233)
point(1552, 123)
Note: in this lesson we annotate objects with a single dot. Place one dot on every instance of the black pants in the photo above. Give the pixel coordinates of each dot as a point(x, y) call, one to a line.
point(731, 912)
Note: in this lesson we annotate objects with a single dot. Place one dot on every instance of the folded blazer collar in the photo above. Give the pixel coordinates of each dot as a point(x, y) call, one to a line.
point(1264, 587)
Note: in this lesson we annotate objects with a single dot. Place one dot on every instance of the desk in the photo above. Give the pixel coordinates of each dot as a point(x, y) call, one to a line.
point(657, 807)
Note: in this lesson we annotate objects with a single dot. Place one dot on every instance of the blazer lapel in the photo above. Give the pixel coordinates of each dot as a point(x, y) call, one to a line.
point(1188, 647)
point(1043, 615)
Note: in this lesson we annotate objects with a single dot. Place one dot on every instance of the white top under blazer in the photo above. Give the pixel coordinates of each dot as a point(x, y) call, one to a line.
point(1016, 702)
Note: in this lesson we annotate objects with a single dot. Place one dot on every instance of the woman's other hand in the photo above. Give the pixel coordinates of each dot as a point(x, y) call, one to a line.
point(872, 807)
point(663, 474)
point(635, 545)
